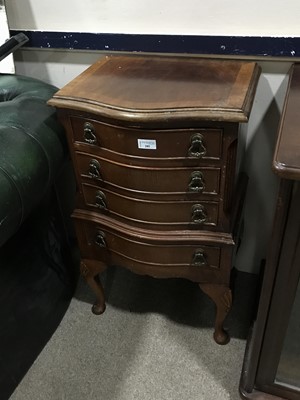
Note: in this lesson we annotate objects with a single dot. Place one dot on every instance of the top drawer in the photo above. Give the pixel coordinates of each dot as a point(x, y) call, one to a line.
point(194, 144)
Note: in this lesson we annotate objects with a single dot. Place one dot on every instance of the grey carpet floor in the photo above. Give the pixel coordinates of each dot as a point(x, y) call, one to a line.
point(154, 342)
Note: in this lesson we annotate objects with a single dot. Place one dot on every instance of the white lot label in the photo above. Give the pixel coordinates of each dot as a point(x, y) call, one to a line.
point(148, 144)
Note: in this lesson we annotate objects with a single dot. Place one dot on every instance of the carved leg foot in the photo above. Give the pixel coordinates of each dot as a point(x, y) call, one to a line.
point(89, 270)
point(221, 296)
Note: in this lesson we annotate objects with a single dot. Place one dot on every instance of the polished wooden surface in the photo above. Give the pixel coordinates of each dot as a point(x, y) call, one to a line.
point(286, 157)
point(138, 89)
point(153, 142)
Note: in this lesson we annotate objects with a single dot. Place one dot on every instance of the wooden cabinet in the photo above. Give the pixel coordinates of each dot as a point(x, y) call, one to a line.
point(153, 142)
point(272, 361)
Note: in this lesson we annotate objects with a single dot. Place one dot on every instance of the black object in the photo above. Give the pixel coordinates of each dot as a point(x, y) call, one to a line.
point(36, 286)
point(12, 44)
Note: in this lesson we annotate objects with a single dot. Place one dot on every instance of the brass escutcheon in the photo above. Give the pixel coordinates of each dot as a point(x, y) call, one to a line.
point(100, 200)
point(89, 133)
point(199, 258)
point(197, 148)
point(100, 239)
point(196, 183)
point(198, 214)
point(94, 169)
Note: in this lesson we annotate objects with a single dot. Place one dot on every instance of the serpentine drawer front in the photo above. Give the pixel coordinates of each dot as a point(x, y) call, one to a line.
point(153, 142)
point(194, 144)
point(176, 180)
point(157, 213)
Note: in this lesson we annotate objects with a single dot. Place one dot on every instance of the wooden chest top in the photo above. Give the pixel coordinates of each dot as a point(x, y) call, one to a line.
point(141, 89)
point(286, 161)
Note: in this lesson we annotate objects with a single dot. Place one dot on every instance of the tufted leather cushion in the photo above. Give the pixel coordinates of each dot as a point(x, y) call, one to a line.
point(32, 148)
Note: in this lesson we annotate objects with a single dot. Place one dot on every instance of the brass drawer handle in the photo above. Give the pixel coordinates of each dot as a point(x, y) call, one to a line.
point(196, 183)
point(100, 239)
point(197, 148)
point(199, 259)
point(100, 200)
point(199, 214)
point(94, 169)
point(89, 133)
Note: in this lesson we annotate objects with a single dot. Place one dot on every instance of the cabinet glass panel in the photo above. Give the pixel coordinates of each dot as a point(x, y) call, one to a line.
point(288, 372)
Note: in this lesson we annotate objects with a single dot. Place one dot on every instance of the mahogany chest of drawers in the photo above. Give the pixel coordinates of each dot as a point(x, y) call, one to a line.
point(153, 142)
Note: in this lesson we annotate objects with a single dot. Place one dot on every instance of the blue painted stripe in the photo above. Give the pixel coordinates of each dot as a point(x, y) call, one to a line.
point(214, 45)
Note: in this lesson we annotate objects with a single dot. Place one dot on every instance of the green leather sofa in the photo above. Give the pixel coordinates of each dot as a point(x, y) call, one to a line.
point(32, 148)
point(39, 266)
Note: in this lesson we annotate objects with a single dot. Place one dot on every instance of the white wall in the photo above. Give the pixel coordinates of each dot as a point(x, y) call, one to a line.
point(6, 65)
point(196, 17)
point(261, 133)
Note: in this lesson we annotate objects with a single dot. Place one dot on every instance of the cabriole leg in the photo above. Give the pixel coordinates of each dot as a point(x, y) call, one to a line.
point(222, 297)
point(90, 270)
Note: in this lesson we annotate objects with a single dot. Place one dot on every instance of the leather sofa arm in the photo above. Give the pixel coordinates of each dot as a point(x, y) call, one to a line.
point(32, 148)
